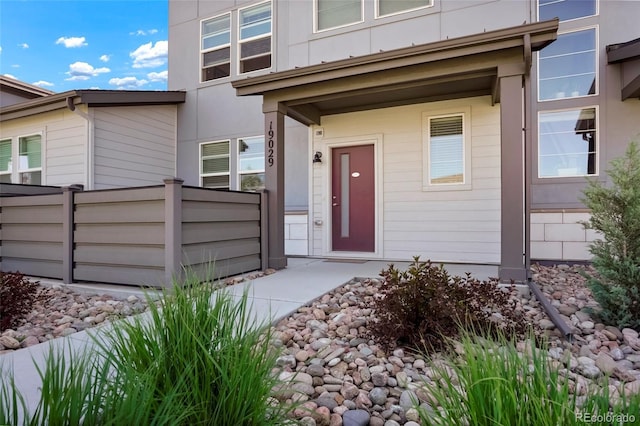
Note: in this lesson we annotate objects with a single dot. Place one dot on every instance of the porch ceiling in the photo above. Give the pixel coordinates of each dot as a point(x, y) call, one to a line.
point(448, 69)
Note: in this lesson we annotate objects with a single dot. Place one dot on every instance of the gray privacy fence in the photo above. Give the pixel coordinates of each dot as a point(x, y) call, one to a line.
point(138, 236)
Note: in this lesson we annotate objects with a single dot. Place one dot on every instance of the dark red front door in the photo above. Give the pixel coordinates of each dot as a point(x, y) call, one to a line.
point(353, 198)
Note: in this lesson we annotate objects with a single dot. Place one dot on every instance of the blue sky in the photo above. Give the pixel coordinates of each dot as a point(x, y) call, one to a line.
point(62, 45)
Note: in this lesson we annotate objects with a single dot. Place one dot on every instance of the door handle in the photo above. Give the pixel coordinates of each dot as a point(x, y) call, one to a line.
point(335, 204)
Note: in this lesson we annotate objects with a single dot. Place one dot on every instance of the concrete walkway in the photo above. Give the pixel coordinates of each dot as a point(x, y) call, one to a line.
point(271, 297)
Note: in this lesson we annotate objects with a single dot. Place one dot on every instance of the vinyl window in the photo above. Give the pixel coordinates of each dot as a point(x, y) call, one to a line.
point(214, 165)
point(567, 143)
point(5, 161)
point(447, 163)
point(30, 160)
point(254, 37)
point(251, 163)
point(566, 9)
point(567, 68)
point(216, 47)
point(391, 7)
point(337, 13)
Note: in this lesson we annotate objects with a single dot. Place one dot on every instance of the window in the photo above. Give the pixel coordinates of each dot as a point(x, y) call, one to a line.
point(390, 7)
point(214, 165)
point(30, 160)
point(251, 163)
point(5, 161)
point(567, 67)
point(447, 164)
point(255, 37)
point(565, 9)
point(567, 143)
point(337, 13)
point(216, 47)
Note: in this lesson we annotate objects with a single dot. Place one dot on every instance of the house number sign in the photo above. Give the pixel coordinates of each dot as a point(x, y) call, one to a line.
point(270, 152)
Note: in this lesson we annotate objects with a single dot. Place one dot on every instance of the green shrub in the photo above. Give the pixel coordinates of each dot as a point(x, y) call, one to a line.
point(615, 213)
point(492, 383)
point(17, 295)
point(420, 305)
point(197, 357)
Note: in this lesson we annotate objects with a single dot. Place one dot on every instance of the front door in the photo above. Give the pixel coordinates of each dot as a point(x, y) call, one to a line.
point(353, 198)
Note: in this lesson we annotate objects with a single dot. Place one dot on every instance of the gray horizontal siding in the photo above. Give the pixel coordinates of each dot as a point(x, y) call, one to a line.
point(119, 236)
point(31, 234)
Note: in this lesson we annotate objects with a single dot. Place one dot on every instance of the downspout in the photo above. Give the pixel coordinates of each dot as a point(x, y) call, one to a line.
point(90, 146)
point(549, 309)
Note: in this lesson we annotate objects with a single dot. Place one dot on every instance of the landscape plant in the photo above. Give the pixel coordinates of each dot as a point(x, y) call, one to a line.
point(615, 214)
point(416, 307)
point(198, 356)
point(490, 382)
point(17, 295)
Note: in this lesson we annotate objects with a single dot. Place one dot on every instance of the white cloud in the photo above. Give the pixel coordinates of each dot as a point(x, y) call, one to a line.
point(15, 65)
point(42, 83)
point(0, 49)
point(158, 76)
point(143, 32)
point(150, 55)
point(10, 76)
point(84, 71)
point(72, 41)
point(23, 45)
point(105, 58)
point(127, 82)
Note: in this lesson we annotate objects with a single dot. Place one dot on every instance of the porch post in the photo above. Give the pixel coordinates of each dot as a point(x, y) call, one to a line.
point(274, 113)
point(512, 257)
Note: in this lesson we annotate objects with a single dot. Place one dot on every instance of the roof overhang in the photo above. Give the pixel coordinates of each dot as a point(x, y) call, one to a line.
point(627, 54)
point(91, 98)
point(448, 69)
point(20, 88)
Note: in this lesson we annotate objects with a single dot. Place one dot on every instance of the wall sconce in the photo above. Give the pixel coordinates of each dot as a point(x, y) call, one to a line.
point(317, 157)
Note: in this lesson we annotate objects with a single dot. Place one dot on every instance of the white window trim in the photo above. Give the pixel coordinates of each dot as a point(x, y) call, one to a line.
point(203, 51)
point(240, 42)
point(378, 16)
point(315, 19)
point(572, 19)
point(597, 161)
point(200, 159)
point(465, 185)
point(251, 172)
point(597, 66)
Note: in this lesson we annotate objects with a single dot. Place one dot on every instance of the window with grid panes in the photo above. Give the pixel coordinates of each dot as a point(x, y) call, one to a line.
point(214, 165)
point(566, 9)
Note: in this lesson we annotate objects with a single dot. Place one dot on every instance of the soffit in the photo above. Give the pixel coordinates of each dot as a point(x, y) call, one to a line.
point(447, 69)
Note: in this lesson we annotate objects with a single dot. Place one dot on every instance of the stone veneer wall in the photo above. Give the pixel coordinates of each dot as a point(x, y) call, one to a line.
point(559, 235)
point(296, 234)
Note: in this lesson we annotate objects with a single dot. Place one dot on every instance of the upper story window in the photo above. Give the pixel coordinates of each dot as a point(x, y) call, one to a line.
point(5, 161)
point(567, 143)
point(337, 13)
point(566, 9)
point(251, 163)
point(254, 37)
point(567, 67)
point(216, 47)
point(391, 7)
point(214, 165)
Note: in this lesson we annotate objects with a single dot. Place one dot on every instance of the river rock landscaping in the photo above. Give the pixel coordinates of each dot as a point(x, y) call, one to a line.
point(339, 376)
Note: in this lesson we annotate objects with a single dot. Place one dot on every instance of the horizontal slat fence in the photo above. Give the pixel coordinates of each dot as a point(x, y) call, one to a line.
point(136, 236)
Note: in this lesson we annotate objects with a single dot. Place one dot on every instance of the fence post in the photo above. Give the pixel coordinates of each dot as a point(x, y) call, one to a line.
point(264, 229)
point(172, 229)
point(68, 208)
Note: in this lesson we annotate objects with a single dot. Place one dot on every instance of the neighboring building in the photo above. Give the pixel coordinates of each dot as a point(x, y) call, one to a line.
point(100, 139)
point(402, 128)
point(14, 91)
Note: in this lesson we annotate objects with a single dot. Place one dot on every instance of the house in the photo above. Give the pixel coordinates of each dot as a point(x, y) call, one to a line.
point(99, 139)
point(14, 91)
point(460, 131)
